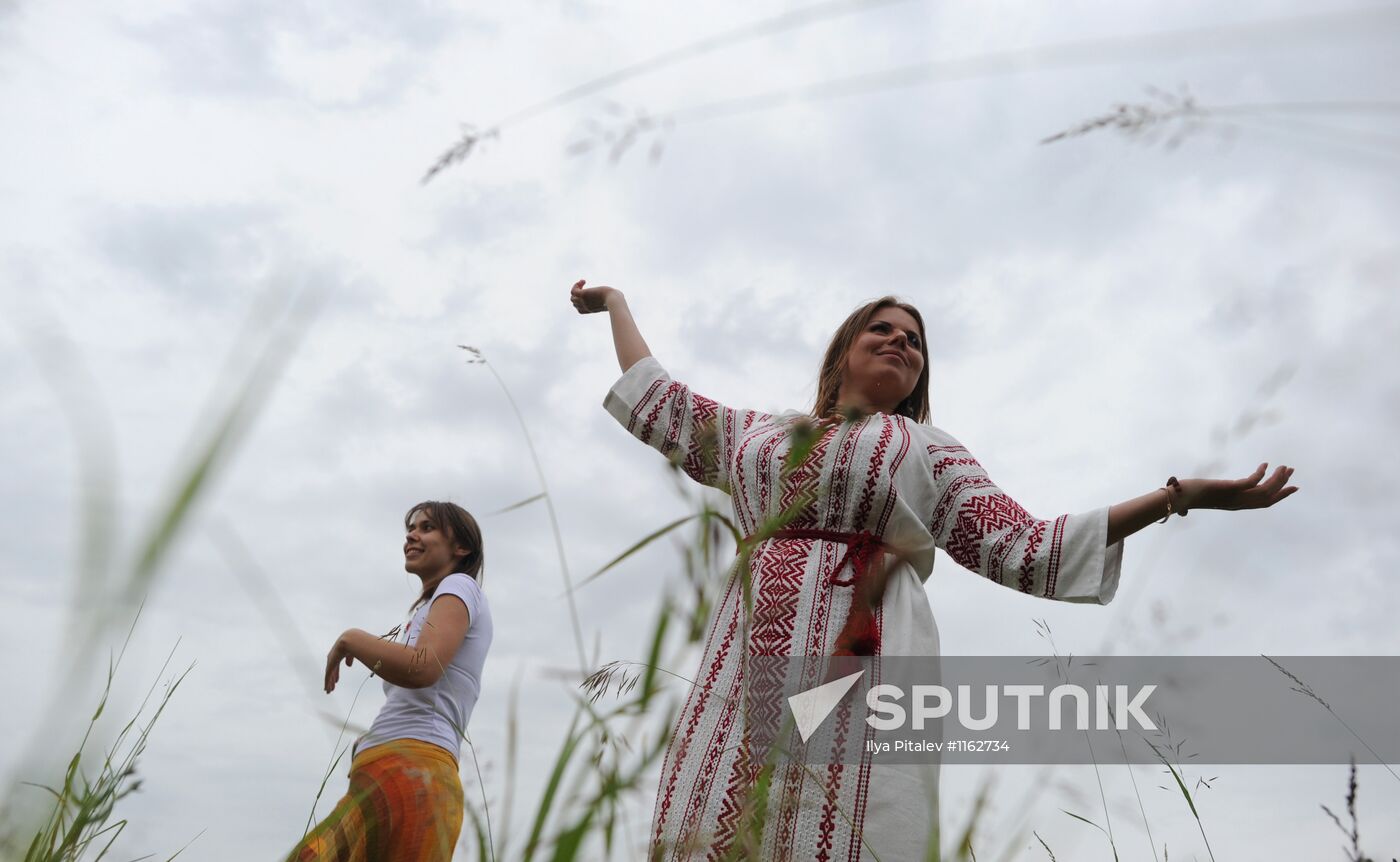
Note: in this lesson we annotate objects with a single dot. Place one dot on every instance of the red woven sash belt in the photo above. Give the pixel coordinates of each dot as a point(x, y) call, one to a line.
point(860, 635)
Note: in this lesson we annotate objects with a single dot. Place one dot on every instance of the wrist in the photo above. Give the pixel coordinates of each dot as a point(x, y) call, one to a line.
point(1165, 503)
point(1175, 499)
point(614, 299)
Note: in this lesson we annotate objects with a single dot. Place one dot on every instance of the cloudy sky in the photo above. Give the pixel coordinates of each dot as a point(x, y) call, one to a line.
point(184, 183)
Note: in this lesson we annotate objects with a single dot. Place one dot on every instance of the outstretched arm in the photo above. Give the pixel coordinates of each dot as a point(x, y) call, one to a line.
point(1251, 492)
point(627, 339)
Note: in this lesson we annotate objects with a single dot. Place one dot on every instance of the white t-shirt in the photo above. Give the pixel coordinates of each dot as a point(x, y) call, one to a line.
point(440, 712)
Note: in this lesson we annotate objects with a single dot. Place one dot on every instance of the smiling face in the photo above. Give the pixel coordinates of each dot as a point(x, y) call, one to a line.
point(884, 362)
point(429, 551)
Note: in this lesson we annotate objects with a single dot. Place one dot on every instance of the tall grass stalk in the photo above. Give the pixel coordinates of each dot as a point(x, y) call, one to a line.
point(1306, 690)
point(1353, 833)
point(1186, 794)
point(1062, 668)
point(478, 358)
point(485, 808)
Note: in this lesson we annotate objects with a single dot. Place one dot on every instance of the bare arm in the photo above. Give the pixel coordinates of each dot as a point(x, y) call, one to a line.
point(1128, 517)
point(417, 666)
point(627, 339)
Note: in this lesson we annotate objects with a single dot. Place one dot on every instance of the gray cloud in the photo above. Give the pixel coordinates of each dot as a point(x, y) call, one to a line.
point(204, 254)
point(229, 49)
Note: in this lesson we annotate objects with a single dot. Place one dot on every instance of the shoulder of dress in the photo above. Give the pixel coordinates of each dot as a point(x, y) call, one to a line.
point(783, 415)
point(924, 430)
point(758, 420)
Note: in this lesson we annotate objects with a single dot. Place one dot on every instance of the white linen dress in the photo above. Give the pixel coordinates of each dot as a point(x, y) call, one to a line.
point(909, 483)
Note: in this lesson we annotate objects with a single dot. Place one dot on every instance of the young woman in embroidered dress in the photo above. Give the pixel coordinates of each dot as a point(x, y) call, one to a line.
point(404, 803)
point(880, 490)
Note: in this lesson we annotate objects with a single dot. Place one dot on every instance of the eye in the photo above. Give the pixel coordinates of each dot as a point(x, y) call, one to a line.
point(880, 326)
point(913, 339)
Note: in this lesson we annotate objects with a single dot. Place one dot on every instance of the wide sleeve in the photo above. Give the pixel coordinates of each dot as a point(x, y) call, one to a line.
point(695, 432)
point(985, 531)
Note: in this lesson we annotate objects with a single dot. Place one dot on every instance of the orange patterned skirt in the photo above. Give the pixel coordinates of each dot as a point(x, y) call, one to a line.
point(404, 804)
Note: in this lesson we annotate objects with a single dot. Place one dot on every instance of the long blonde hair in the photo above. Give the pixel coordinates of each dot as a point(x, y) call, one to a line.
point(833, 369)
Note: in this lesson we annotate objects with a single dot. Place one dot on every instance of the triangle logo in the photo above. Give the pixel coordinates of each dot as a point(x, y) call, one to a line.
point(811, 707)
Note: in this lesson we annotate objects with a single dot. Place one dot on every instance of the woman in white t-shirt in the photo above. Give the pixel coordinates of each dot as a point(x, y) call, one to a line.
point(405, 799)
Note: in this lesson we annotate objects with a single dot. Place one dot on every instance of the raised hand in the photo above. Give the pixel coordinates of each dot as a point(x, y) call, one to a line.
point(1251, 492)
point(589, 300)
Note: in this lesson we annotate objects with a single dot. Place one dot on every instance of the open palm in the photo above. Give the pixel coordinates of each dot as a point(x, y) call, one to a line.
point(1251, 492)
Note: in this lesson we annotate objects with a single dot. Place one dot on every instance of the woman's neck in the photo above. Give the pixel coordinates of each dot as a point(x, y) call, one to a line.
point(848, 401)
point(430, 582)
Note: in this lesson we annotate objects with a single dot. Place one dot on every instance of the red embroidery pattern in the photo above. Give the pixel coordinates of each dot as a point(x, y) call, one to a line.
point(802, 484)
point(666, 399)
point(942, 465)
point(1026, 583)
point(695, 465)
point(954, 490)
point(834, 769)
point(744, 499)
point(892, 492)
point(641, 405)
point(979, 517)
point(873, 473)
point(853, 846)
point(1001, 549)
point(696, 703)
point(1052, 572)
point(934, 450)
point(779, 580)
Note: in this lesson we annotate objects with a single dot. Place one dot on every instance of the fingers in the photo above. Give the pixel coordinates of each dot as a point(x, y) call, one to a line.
point(589, 300)
point(1253, 478)
point(1281, 474)
point(1279, 479)
point(1272, 491)
point(576, 297)
point(333, 669)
